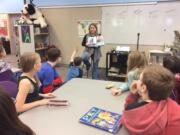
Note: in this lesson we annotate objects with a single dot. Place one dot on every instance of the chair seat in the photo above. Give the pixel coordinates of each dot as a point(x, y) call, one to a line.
point(6, 75)
point(10, 87)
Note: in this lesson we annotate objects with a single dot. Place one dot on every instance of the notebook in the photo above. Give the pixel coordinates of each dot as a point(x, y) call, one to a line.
point(102, 119)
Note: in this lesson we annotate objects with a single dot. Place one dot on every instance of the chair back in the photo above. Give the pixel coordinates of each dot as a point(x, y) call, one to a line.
point(6, 75)
point(10, 87)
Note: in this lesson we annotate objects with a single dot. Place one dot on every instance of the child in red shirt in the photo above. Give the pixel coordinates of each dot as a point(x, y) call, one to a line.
point(154, 113)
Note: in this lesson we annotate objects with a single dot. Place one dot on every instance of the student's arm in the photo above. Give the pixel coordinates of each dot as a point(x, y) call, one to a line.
point(47, 95)
point(125, 86)
point(73, 55)
point(130, 77)
point(118, 91)
point(131, 98)
point(21, 106)
point(133, 95)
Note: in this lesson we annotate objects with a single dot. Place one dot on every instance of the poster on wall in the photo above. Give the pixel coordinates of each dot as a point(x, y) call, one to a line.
point(25, 32)
point(3, 28)
point(84, 24)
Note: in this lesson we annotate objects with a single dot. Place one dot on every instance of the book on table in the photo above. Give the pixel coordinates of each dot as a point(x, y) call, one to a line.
point(102, 119)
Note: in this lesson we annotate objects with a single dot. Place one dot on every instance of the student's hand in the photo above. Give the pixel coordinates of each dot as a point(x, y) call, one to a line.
point(116, 92)
point(44, 101)
point(48, 95)
point(75, 51)
point(133, 87)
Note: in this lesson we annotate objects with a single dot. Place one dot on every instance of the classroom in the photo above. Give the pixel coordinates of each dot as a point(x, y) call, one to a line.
point(90, 67)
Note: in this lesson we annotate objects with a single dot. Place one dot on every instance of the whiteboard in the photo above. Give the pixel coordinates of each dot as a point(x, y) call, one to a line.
point(155, 23)
point(50, 3)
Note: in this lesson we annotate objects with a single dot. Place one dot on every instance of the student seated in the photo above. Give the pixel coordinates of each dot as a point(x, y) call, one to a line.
point(135, 64)
point(10, 123)
point(49, 77)
point(4, 66)
point(74, 70)
point(155, 113)
point(28, 95)
point(173, 64)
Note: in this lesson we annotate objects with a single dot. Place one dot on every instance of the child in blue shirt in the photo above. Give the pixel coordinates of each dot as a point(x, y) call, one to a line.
point(48, 75)
point(74, 70)
point(136, 62)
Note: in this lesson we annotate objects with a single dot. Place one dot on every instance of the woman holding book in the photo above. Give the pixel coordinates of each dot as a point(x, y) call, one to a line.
point(92, 42)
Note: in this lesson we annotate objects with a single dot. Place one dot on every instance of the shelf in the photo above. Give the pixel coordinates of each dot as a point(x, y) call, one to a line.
point(40, 40)
point(156, 56)
point(116, 64)
point(116, 75)
point(113, 70)
point(41, 34)
point(39, 49)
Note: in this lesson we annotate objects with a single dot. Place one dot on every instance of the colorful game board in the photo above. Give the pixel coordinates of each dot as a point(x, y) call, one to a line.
point(102, 119)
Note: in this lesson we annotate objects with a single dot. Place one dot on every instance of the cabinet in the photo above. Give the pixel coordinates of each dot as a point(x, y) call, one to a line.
point(6, 45)
point(32, 38)
point(156, 56)
point(116, 64)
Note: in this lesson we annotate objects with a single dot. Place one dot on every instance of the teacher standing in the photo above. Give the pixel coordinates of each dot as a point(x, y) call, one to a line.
point(92, 51)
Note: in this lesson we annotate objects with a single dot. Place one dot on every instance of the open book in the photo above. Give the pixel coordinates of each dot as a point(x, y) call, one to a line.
point(95, 41)
point(102, 119)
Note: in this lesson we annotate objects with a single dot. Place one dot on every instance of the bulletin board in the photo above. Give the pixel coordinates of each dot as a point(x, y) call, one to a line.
point(83, 26)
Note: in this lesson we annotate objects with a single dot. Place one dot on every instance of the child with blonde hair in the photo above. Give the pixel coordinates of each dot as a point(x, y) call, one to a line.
point(28, 95)
point(136, 62)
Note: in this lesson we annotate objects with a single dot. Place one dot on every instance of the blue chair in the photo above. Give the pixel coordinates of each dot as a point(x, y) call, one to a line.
point(10, 87)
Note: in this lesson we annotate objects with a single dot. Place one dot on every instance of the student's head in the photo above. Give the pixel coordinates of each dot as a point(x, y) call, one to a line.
point(30, 61)
point(53, 54)
point(2, 51)
point(136, 60)
point(77, 61)
point(10, 123)
point(172, 63)
point(156, 83)
point(93, 28)
point(177, 33)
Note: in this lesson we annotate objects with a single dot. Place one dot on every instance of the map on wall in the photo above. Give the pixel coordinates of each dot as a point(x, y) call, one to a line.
point(84, 24)
point(26, 36)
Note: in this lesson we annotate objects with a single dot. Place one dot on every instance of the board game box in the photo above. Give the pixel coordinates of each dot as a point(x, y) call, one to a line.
point(102, 119)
